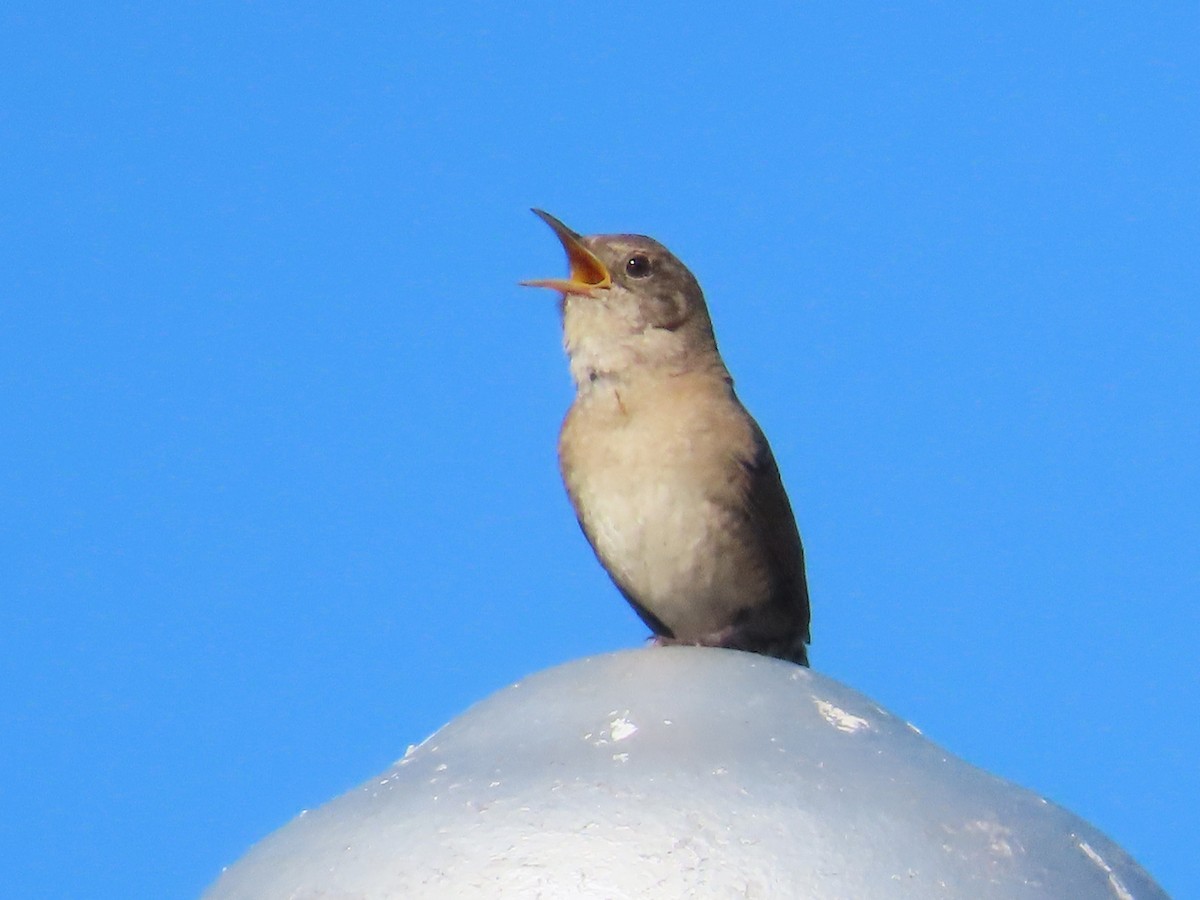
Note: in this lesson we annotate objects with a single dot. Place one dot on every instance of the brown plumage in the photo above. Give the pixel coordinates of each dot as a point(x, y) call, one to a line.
point(672, 480)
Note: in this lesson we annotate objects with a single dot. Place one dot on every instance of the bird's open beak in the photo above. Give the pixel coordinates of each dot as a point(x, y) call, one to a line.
point(588, 274)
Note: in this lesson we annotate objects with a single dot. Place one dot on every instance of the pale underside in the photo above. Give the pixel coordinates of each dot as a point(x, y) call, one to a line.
point(660, 485)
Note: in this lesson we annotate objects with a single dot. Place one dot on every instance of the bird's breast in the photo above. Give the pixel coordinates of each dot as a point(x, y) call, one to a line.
point(656, 489)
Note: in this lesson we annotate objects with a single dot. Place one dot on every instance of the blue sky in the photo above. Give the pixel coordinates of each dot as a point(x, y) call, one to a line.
point(278, 478)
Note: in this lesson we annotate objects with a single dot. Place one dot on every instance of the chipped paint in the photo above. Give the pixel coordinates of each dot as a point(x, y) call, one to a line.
point(621, 728)
point(1119, 890)
point(840, 719)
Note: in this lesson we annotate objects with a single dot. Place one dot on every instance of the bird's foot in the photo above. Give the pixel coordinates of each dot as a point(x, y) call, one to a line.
point(733, 637)
point(726, 637)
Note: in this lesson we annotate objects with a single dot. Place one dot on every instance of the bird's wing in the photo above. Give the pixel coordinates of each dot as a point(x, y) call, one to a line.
point(774, 523)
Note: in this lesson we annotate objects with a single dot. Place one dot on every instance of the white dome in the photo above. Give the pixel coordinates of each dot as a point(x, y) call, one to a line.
point(683, 772)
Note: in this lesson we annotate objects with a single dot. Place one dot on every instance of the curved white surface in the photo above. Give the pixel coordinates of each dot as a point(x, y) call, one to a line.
point(683, 772)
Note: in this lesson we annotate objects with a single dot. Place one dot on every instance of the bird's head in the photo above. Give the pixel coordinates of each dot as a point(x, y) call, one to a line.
point(628, 302)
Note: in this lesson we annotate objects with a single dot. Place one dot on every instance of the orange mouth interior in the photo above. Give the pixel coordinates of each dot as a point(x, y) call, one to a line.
point(588, 273)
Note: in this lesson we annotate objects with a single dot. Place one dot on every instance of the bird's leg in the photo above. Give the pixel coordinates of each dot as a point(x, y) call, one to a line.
point(730, 637)
point(739, 637)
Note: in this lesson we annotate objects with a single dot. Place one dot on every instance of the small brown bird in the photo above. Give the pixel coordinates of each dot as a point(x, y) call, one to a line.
point(673, 482)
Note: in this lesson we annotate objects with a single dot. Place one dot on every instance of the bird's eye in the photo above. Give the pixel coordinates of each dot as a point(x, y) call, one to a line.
point(638, 265)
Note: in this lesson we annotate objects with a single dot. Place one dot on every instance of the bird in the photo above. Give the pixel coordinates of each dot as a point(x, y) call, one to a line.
point(671, 479)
